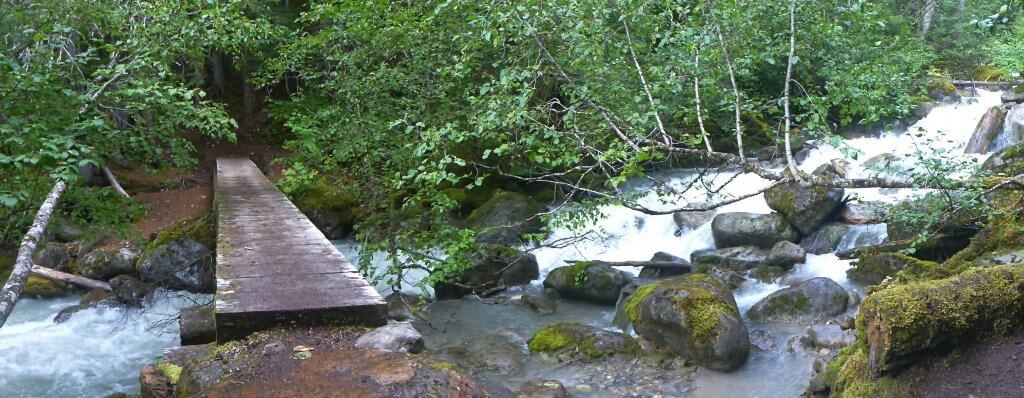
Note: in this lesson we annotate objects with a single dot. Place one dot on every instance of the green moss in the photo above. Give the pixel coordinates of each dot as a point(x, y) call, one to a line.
point(700, 306)
point(43, 288)
point(549, 338)
point(988, 73)
point(578, 272)
point(634, 299)
point(199, 229)
point(444, 366)
point(171, 371)
point(1005, 233)
point(767, 274)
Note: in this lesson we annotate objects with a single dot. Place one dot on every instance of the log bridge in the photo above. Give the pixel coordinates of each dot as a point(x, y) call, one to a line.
point(274, 267)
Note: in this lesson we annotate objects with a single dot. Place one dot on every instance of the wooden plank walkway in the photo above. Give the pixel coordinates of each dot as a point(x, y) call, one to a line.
point(274, 267)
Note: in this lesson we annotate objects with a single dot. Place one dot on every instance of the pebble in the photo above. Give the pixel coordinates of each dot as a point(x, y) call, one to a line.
point(273, 348)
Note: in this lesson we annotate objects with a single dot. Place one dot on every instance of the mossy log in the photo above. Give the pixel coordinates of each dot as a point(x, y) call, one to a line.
point(903, 322)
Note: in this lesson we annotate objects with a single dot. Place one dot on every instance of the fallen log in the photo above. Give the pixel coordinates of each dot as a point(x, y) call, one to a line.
point(906, 322)
point(72, 279)
point(652, 264)
point(113, 182)
point(979, 83)
point(23, 264)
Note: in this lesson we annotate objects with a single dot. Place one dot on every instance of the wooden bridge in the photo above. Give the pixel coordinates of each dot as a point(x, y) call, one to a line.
point(274, 267)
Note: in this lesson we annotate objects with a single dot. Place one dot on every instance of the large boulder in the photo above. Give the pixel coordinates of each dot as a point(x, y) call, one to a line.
point(680, 266)
point(806, 208)
point(826, 239)
point(785, 255)
point(740, 258)
point(107, 262)
point(1009, 161)
point(130, 291)
point(748, 229)
point(181, 264)
point(989, 127)
point(505, 218)
point(574, 341)
point(691, 220)
point(693, 316)
point(394, 337)
point(589, 281)
point(864, 213)
point(813, 300)
point(492, 268)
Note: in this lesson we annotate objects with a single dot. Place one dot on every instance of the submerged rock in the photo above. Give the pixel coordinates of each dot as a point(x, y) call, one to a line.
point(576, 341)
point(107, 262)
point(813, 300)
point(542, 389)
point(785, 255)
point(588, 281)
point(505, 217)
point(806, 208)
point(763, 341)
point(693, 316)
point(93, 299)
point(749, 229)
point(492, 268)
point(394, 337)
point(740, 258)
point(830, 336)
point(538, 303)
point(493, 354)
point(181, 264)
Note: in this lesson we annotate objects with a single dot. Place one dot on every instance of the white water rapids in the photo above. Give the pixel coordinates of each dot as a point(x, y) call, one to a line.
point(100, 351)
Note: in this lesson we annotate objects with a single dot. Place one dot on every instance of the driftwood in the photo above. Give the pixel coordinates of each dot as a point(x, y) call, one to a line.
point(113, 182)
point(72, 279)
point(652, 264)
point(23, 264)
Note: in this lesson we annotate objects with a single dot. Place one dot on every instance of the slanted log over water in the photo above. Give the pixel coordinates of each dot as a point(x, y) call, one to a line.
point(902, 323)
point(274, 266)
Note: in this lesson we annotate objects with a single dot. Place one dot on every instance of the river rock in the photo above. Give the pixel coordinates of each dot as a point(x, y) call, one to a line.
point(830, 336)
point(1009, 161)
point(492, 268)
point(130, 291)
point(740, 258)
point(863, 213)
point(493, 354)
point(693, 316)
point(661, 272)
point(730, 278)
point(181, 264)
point(989, 127)
point(826, 239)
point(691, 220)
point(749, 229)
point(572, 341)
point(813, 300)
point(197, 325)
point(762, 340)
point(154, 384)
point(505, 217)
point(806, 208)
point(785, 255)
point(335, 222)
point(538, 303)
point(93, 299)
point(1014, 95)
point(394, 337)
point(588, 281)
point(872, 269)
point(542, 389)
point(107, 262)
point(53, 255)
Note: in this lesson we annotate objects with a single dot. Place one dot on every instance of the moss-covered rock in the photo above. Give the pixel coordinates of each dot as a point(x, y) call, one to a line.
point(334, 211)
point(785, 255)
point(812, 300)
point(505, 217)
point(108, 261)
point(749, 229)
point(492, 267)
point(588, 281)
point(873, 268)
point(805, 208)
point(693, 316)
point(767, 274)
point(38, 287)
point(901, 322)
point(181, 264)
point(572, 340)
point(740, 258)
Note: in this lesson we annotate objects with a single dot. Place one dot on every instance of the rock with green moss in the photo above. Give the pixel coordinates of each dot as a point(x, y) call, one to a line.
point(38, 287)
point(334, 211)
point(813, 300)
point(492, 268)
point(805, 208)
point(767, 274)
point(826, 239)
point(902, 322)
point(739, 258)
point(505, 217)
point(109, 261)
point(682, 266)
point(749, 229)
point(588, 281)
point(579, 342)
point(693, 316)
point(785, 255)
point(872, 269)
point(1008, 161)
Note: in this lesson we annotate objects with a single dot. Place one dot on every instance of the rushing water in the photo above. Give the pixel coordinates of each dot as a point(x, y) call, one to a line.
point(100, 351)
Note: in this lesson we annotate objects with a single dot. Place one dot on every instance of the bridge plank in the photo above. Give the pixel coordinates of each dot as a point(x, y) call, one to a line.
point(274, 266)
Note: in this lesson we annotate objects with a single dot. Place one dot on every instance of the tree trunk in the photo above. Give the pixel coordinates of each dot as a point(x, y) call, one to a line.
point(23, 264)
point(926, 18)
point(113, 182)
point(217, 64)
point(651, 264)
point(789, 77)
point(72, 279)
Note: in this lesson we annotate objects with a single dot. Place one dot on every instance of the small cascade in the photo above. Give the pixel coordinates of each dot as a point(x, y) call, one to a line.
point(863, 235)
point(1013, 129)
